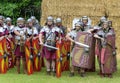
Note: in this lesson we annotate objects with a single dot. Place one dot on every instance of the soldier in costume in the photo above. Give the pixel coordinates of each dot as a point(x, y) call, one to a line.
point(59, 25)
point(36, 23)
point(50, 34)
point(4, 52)
point(106, 49)
point(98, 26)
point(31, 30)
point(20, 36)
point(114, 57)
point(86, 23)
point(9, 25)
point(86, 58)
point(10, 41)
point(4, 28)
point(32, 34)
point(71, 36)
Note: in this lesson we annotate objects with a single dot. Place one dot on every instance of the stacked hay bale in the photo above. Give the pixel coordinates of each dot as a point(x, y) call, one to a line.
point(113, 9)
point(70, 9)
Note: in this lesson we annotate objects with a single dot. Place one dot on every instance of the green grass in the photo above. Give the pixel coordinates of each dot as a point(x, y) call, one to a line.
point(40, 77)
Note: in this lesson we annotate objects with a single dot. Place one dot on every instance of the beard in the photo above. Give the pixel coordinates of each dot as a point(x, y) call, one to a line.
point(1, 24)
point(49, 25)
point(8, 24)
point(21, 26)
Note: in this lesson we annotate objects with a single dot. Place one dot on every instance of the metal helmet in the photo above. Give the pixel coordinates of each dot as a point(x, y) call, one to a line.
point(1, 17)
point(33, 17)
point(55, 21)
point(50, 18)
point(20, 19)
point(77, 24)
point(103, 19)
point(37, 21)
point(58, 20)
point(85, 18)
point(29, 20)
point(106, 22)
point(8, 19)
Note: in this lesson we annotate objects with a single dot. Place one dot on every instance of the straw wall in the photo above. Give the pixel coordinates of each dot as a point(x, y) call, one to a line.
point(70, 9)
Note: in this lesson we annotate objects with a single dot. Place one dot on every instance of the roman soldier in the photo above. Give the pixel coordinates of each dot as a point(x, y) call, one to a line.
point(36, 23)
point(71, 36)
point(106, 49)
point(59, 25)
point(65, 45)
point(20, 36)
point(31, 30)
point(98, 26)
point(32, 36)
point(50, 34)
point(83, 56)
point(114, 58)
point(10, 41)
point(86, 23)
point(4, 52)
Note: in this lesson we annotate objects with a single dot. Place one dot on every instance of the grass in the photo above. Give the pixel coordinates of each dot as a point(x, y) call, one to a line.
point(40, 77)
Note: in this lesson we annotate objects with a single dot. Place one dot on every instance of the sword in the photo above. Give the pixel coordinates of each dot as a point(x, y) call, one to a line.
point(81, 44)
point(8, 39)
point(50, 46)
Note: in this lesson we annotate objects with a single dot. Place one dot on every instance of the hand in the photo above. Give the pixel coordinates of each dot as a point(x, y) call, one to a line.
point(34, 38)
point(73, 41)
point(28, 39)
point(41, 43)
point(5, 36)
point(1, 38)
point(89, 31)
point(102, 39)
point(22, 37)
point(10, 36)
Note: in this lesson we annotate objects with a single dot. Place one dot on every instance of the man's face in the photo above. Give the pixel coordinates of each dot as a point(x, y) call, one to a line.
point(105, 25)
point(34, 21)
point(58, 24)
point(109, 24)
point(50, 22)
point(8, 23)
point(30, 24)
point(84, 21)
point(20, 23)
point(1, 21)
point(77, 27)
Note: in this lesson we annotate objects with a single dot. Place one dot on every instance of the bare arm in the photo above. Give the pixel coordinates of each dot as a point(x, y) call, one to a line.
point(40, 38)
point(69, 38)
point(98, 37)
point(17, 33)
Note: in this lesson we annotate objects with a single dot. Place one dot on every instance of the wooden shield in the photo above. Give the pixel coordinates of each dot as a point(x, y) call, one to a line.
point(65, 50)
point(36, 49)
point(58, 61)
point(80, 57)
point(29, 62)
point(10, 48)
point(3, 62)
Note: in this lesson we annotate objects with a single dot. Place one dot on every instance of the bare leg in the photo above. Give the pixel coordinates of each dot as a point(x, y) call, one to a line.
point(24, 65)
point(82, 72)
point(72, 71)
point(18, 64)
point(48, 66)
point(109, 75)
point(53, 67)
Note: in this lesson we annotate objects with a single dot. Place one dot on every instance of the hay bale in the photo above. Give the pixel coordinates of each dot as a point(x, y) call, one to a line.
point(70, 9)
